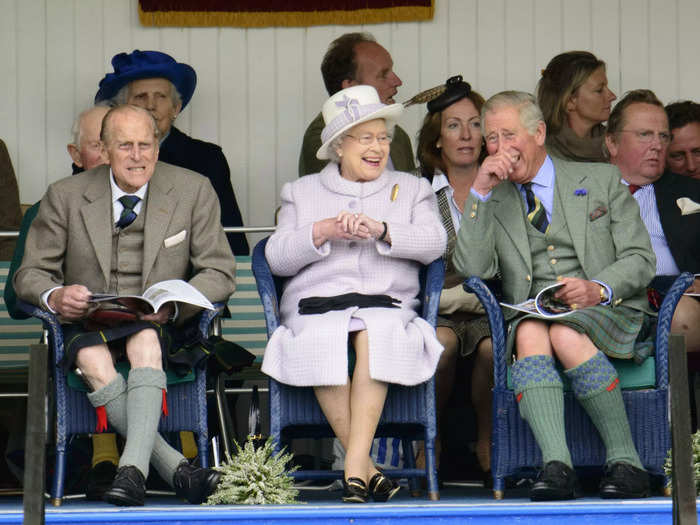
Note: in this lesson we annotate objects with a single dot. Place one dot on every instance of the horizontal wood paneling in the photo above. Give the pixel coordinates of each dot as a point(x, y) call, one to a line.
point(259, 88)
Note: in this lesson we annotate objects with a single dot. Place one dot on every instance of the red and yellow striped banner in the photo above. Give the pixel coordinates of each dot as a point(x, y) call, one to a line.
point(266, 13)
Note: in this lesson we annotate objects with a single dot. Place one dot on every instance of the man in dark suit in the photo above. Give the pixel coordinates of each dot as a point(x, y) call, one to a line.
point(684, 151)
point(536, 221)
point(120, 229)
point(353, 59)
point(156, 82)
point(637, 138)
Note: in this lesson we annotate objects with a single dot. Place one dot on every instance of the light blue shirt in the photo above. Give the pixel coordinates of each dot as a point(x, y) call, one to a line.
point(543, 187)
point(646, 198)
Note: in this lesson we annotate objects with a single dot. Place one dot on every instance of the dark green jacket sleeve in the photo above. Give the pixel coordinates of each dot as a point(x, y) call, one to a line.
point(10, 295)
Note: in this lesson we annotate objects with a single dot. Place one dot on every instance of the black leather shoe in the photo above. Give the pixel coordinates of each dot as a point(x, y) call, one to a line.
point(555, 481)
point(195, 484)
point(622, 480)
point(355, 491)
point(128, 488)
point(382, 488)
point(99, 480)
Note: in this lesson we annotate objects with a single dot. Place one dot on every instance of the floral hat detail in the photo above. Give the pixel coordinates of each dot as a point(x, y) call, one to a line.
point(352, 106)
point(147, 64)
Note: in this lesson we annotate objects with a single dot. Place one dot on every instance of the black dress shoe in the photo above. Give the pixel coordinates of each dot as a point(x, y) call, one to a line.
point(382, 488)
point(128, 488)
point(622, 480)
point(99, 480)
point(355, 491)
point(555, 481)
point(195, 484)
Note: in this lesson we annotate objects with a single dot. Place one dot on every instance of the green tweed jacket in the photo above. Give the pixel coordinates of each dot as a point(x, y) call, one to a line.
point(401, 150)
point(609, 237)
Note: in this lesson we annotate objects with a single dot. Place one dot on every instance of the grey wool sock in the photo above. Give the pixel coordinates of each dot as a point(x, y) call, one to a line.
point(540, 395)
point(597, 388)
point(114, 398)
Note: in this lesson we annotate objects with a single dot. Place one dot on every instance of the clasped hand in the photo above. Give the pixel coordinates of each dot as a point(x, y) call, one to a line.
point(348, 226)
point(494, 169)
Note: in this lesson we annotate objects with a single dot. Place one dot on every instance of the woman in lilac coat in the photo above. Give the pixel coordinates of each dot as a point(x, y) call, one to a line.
point(352, 239)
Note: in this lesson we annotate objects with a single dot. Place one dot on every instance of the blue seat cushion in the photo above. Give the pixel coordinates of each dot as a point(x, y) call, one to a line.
point(632, 376)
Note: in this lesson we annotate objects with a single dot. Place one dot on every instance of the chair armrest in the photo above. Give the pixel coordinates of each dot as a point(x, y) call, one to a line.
point(663, 325)
point(266, 287)
point(498, 328)
point(51, 324)
point(434, 280)
point(206, 317)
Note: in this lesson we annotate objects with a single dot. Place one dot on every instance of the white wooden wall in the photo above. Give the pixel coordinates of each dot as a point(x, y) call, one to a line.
point(259, 88)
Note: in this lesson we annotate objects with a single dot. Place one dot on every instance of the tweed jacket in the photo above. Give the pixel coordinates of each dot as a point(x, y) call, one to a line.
point(207, 159)
point(312, 349)
point(10, 212)
point(70, 241)
point(609, 237)
point(682, 232)
point(401, 150)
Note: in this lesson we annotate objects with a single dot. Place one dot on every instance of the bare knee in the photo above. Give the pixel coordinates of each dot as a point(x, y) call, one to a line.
point(686, 321)
point(532, 338)
point(448, 339)
point(143, 349)
point(96, 365)
point(571, 347)
point(484, 351)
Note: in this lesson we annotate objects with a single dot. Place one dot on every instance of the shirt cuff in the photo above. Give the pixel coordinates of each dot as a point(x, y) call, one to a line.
point(608, 290)
point(482, 198)
point(45, 299)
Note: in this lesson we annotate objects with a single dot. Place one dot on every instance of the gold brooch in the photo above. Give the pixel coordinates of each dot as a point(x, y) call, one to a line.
point(394, 192)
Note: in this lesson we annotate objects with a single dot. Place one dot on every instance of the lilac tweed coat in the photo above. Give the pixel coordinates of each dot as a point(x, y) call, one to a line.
point(311, 350)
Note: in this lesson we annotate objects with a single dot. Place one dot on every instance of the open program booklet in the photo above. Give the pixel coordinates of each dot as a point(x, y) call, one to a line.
point(694, 290)
point(544, 304)
point(153, 298)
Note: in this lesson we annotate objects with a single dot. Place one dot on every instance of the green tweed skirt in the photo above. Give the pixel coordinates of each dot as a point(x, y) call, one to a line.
point(470, 330)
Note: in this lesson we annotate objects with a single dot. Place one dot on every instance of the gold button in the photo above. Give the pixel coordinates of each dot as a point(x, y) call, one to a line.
point(550, 247)
point(474, 206)
point(472, 215)
point(560, 277)
point(553, 261)
point(528, 277)
point(617, 301)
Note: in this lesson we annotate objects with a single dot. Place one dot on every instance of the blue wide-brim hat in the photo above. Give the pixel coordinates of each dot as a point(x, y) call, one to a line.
point(147, 64)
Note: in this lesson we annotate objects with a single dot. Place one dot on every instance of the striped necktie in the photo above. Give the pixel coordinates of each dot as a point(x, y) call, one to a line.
point(128, 214)
point(536, 213)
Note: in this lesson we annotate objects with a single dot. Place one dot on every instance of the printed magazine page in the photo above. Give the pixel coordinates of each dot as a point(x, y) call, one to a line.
point(154, 297)
point(543, 305)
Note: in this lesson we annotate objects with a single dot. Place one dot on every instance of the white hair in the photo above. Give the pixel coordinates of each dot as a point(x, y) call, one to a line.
point(122, 95)
point(76, 129)
point(529, 112)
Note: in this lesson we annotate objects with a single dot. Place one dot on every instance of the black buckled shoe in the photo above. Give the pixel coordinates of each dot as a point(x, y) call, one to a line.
point(556, 481)
point(355, 491)
point(99, 480)
point(382, 488)
point(128, 488)
point(622, 480)
point(195, 484)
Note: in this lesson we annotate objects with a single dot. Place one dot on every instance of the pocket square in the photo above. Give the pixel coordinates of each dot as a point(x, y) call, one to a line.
point(175, 239)
point(597, 213)
point(688, 206)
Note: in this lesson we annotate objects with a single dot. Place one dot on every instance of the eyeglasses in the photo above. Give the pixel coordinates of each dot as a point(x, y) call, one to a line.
point(366, 140)
point(647, 136)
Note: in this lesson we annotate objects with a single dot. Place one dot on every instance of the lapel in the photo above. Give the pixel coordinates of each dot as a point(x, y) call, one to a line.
point(509, 212)
point(574, 207)
point(98, 224)
point(160, 206)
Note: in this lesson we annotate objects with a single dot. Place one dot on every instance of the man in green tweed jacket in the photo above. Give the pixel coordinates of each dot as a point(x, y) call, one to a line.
point(539, 221)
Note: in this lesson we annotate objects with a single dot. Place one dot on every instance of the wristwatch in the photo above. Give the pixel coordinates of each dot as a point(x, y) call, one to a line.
point(604, 295)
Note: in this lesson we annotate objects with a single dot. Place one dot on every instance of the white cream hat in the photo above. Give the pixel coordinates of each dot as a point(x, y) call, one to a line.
point(350, 107)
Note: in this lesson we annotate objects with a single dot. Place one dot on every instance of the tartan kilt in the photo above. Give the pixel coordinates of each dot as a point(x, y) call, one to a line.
point(620, 332)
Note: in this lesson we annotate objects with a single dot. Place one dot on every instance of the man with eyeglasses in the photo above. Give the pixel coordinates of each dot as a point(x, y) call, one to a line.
point(637, 139)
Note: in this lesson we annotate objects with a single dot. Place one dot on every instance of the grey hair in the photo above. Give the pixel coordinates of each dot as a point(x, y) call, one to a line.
point(336, 142)
point(77, 123)
point(529, 112)
point(123, 108)
point(122, 95)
